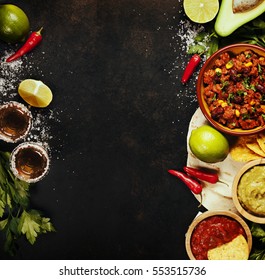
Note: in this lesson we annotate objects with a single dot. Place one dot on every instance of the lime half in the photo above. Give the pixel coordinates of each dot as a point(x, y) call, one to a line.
point(201, 11)
point(35, 93)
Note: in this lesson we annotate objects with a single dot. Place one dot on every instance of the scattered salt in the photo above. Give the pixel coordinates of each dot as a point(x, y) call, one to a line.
point(181, 36)
point(181, 40)
point(10, 77)
point(187, 32)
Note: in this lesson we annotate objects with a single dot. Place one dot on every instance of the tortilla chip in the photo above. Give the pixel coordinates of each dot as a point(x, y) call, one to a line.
point(261, 141)
point(237, 249)
point(242, 140)
point(242, 153)
point(255, 147)
point(247, 148)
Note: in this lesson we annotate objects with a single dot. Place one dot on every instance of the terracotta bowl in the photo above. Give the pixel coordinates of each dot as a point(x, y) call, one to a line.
point(208, 214)
point(241, 208)
point(234, 49)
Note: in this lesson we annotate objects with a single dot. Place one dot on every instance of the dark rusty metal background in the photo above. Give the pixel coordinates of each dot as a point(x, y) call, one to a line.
point(121, 128)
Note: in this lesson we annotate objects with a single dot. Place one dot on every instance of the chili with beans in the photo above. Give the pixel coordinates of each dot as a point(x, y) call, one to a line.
point(235, 90)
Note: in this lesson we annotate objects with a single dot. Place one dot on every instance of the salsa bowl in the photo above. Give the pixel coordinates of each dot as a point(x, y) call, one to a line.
point(218, 235)
point(231, 89)
point(248, 191)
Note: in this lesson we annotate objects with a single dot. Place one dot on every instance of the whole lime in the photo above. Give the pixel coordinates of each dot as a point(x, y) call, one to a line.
point(208, 144)
point(14, 24)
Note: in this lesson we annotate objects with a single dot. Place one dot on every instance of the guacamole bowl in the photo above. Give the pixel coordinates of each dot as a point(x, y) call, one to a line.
point(248, 191)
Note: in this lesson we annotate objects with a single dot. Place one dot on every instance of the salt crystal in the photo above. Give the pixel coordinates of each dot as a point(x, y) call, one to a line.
point(10, 77)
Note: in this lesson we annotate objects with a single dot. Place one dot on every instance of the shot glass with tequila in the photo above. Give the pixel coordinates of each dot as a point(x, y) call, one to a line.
point(30, 162)
point(15, 121)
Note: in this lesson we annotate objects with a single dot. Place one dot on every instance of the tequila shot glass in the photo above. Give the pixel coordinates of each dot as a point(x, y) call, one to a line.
point(29, 162)
point(15, 121)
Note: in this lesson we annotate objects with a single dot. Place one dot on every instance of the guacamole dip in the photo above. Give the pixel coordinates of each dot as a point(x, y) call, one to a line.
point(251, 190)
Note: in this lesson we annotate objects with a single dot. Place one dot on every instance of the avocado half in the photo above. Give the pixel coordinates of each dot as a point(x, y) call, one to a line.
point(227, 21)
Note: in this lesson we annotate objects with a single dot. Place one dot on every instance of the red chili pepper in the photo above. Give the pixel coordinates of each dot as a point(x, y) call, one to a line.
point(34, 39)
point(202, 175)
point(209, 177)
point(191, 183)
point(190, 68)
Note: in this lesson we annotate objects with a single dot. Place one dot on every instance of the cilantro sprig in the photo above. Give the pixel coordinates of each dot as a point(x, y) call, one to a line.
point(258, 234)
point(16, 217)
point(208, 41)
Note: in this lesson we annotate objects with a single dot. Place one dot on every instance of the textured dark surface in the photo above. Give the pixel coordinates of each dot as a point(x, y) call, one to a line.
point(123, 124)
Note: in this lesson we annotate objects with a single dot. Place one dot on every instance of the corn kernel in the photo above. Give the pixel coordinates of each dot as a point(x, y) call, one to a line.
point(222, 103)
point(248, 64)
point(252, 102)
point(218, 71)
point(237, 112)
point(229, 64)
point(261, 58)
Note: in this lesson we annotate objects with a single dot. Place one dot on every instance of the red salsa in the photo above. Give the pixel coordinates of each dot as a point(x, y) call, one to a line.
point(213, 232)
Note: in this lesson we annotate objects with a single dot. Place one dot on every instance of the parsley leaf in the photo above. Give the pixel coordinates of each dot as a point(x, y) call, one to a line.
point(196, 49)
point(3, 224)
point(258, 232)
point(229, 98)
point(2, 202)
point(251, 33)
point(16, 217)
point(204, 43)
point(31, 224)
point(258, 254)
point(258, 249)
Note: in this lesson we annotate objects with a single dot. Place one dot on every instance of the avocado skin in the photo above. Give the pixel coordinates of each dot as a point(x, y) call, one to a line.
point(227, 21)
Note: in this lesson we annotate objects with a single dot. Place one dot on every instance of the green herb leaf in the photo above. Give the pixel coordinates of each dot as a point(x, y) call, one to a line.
point(29, 226)
point(224, 84)
point(18, 219)
point(230, 96)
point(2, 208)
point(3, 224)
point(259, 23)
point(10, 245)
point(251, 33)
point(32, 224)
point(258, 255)
point(258, 232)
point(200, 37)
point(46, 225)
point(245, 83)
point(241, 92)
point(245, 116)
point(258, 249)
point(193, 49)
point(213, 46)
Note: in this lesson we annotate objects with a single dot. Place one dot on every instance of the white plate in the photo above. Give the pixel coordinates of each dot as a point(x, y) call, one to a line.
point(214, 196)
